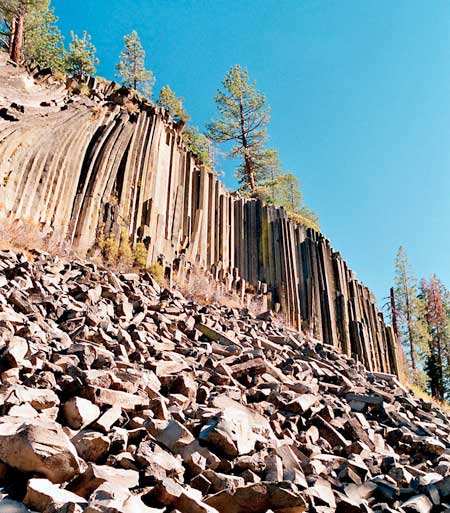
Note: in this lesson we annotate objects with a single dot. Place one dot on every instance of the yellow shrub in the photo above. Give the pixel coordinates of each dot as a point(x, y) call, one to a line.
point(84, 90)
point(157, 272)
point(59, 75)
point(125, 253)
point(101, 242)
point(111, 251)
point(140, 255)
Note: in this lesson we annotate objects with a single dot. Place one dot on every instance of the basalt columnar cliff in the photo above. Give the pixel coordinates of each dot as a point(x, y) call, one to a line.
point(84, 166)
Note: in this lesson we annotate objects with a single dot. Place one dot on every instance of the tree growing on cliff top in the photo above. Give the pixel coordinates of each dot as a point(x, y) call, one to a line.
point(288, 195)
point(27, 25)
point(410, 310)
point(131, 68)
point(44, 42)
point(244, 118)
point(198, 144)
point(81, 59)
point(171, 102)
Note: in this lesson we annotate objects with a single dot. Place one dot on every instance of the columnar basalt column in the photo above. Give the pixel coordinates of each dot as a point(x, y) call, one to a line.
point(87, 167)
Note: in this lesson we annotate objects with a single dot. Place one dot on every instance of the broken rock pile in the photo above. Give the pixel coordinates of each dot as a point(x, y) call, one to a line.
point(118, 396)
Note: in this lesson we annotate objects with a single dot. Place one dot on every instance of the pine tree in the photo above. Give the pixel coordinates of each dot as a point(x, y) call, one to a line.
point(410, 313)
point(169, 101)
point(445, 296)
point(286, 193)
point(198, 144)
point(433, 294)
point(131, 68)
point(244, 118)
point(17, 19)
point(81, 59)
point(266, 187)
point(44, 42)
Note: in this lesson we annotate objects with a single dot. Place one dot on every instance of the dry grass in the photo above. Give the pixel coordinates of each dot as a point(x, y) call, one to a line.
point(256, 304)
point(59, 76)
point(421, 394)
point(417, 389)
point(200, 286)
point(21, 236)
point(24, 236)
point(84, 90)
point(102, 80)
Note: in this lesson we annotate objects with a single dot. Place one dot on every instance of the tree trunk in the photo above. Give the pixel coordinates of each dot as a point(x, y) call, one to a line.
point(440, 368)
point(134, 60)
point(410, 327)
point(272, 173)
point(247, 157)
point(16, 43)
point(394, 312)
point(250, 173)
point(432, 370)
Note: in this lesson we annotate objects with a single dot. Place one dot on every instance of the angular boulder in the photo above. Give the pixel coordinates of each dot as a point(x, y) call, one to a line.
point(258, 498)
point(96, 475)
point(171, 434)
point(42, 495)
point(79, 412)
point(235, 430)
point(91, 445)
point(38, 446)
point(109, 498)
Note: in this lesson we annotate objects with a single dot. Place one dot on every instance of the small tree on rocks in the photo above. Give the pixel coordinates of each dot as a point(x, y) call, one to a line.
point(81, 59)
point(168, 100)
point(131, 68)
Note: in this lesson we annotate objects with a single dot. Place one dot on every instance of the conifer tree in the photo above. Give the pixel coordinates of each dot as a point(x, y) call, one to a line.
point(410, 313)
point(285, 192)
point(44, 42)
point(131, 68)
point(81, 59)
point(168, 100)
point(244, 118)
point(266, 187)
point(436, 365)
point(17, 20)
point(288, 192)
point(198, 144)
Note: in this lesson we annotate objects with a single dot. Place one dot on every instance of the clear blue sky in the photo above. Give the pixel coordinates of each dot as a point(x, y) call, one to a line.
point(360, 97)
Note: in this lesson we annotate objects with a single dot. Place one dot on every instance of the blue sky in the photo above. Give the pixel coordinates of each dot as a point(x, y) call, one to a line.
point(360, 97)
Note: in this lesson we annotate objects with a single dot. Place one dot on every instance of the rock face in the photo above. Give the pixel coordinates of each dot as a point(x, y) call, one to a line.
point(217, 410)
point(76, 165)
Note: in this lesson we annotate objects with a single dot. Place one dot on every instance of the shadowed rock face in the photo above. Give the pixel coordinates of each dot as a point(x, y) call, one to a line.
point(81, 166)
